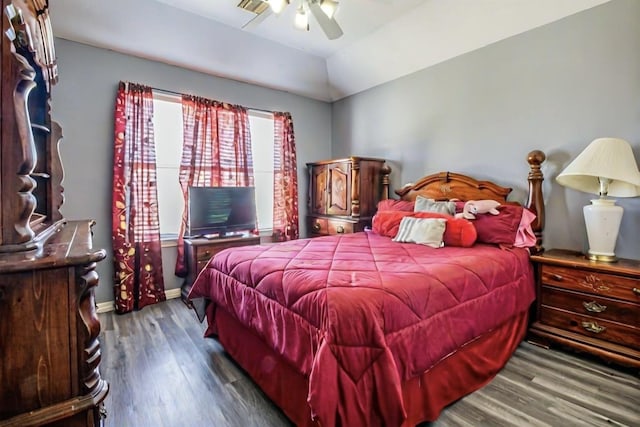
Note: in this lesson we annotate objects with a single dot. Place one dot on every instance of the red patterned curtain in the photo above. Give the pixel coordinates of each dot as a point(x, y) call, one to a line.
point(216, 152)
point(285, 180)
point(136, 228)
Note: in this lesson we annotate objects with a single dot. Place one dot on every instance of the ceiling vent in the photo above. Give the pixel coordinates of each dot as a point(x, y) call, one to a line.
point(255, 6)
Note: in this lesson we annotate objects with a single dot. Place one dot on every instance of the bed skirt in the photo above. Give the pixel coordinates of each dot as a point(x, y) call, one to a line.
point(425, 396)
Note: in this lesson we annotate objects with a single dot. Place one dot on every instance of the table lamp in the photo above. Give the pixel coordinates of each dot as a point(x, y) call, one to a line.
point(606, 167)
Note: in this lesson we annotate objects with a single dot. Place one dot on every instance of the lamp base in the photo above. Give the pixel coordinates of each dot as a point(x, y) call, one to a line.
point(602, 218)
point(602, 258)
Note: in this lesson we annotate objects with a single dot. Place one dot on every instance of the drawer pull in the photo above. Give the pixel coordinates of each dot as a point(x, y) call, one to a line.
point(594, 307)
point(636, 291)
point(593, 327)
point(557, 277)
point(340, 229)
point(316, 227)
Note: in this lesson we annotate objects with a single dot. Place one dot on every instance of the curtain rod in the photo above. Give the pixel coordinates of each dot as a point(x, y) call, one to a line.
point(170, 92)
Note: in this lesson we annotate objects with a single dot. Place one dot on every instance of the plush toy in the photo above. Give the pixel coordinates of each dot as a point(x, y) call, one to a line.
point(474, 207)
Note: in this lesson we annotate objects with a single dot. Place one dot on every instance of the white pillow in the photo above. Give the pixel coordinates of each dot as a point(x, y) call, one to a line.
point(424, 231)
point(429, 205)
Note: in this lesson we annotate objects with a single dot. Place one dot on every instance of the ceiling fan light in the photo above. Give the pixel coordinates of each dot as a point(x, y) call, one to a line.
point(329, 7)
point(278, 6)
point(301, 21)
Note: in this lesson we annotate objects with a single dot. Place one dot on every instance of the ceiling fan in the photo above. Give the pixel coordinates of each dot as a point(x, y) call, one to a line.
point(322, 10)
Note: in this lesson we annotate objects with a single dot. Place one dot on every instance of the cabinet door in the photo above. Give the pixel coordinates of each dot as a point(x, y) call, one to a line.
point(319, 189)
point(36, 340)
point(339, 191)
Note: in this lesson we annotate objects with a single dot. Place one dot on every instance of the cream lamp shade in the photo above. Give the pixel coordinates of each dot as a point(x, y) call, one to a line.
point(606, 167)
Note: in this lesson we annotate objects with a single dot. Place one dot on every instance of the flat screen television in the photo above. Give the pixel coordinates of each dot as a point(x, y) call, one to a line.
point(220, 211)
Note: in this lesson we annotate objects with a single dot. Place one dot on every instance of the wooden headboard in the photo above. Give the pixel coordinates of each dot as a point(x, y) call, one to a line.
point(449, 185)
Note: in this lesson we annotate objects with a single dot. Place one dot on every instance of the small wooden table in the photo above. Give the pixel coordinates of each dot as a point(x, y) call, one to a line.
point(198, 252)
point(589, 306)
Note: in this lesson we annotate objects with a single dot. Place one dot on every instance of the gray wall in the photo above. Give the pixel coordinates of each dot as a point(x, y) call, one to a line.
point(83, 103)
point(555, 88)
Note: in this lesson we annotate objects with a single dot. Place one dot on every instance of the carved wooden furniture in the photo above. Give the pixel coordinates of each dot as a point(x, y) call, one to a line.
point(49, 349)
point(449, 185)
point(49, 333)
point(589, 306)
point(343, 194)
point(198, 252)
point(254, 322)
point(31, 167)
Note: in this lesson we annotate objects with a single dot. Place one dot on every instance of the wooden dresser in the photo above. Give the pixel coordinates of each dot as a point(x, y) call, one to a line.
point(49, 332)
point(589, 306)
point(343, 194)
point(198, 252)
point(49, 348)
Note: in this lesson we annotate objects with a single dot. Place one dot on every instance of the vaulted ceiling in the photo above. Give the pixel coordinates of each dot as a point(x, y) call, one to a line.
point(383, 39)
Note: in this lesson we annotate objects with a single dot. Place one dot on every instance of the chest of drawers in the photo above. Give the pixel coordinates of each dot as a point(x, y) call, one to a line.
point(344, 194)
point(588, 306)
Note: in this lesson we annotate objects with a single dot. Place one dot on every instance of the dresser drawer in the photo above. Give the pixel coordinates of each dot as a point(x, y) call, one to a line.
point(335, 226)
point(323, 226)
point(591, 327)
point(607, 285)
point(591, 305)
point(318, 225)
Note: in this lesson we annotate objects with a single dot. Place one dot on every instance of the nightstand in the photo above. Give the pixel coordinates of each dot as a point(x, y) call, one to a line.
point(198, 252)
point(588, 306)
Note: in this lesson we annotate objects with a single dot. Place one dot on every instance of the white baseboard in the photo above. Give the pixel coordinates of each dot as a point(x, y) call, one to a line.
point(105, 307)
point(173, 293)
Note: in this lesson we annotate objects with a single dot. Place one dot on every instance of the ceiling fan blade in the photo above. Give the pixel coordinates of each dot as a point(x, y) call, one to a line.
point(256, 20)
point(328, 25)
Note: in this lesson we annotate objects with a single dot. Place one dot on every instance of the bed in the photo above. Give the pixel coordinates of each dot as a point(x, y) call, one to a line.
point(359, 330)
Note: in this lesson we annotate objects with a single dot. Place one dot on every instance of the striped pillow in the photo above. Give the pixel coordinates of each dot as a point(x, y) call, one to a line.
point(429, 205)
point(424, 231)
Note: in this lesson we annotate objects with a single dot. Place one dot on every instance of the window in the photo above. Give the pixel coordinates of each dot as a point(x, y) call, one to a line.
point(262, 138)
point(167, 126)
point(167, 123)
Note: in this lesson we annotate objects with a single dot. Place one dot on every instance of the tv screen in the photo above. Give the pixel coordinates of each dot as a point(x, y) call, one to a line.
point(221, 211)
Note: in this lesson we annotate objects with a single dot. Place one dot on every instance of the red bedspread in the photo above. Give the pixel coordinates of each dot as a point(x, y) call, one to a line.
point(358, 314)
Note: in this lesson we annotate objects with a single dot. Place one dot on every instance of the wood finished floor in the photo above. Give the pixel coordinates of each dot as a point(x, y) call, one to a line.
point(162, 372)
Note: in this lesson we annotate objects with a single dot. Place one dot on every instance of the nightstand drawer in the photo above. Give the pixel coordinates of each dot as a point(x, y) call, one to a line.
point(205, 254)
point(592, 327)
point(207, 251)
point(603, 284)
point(591, 305)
